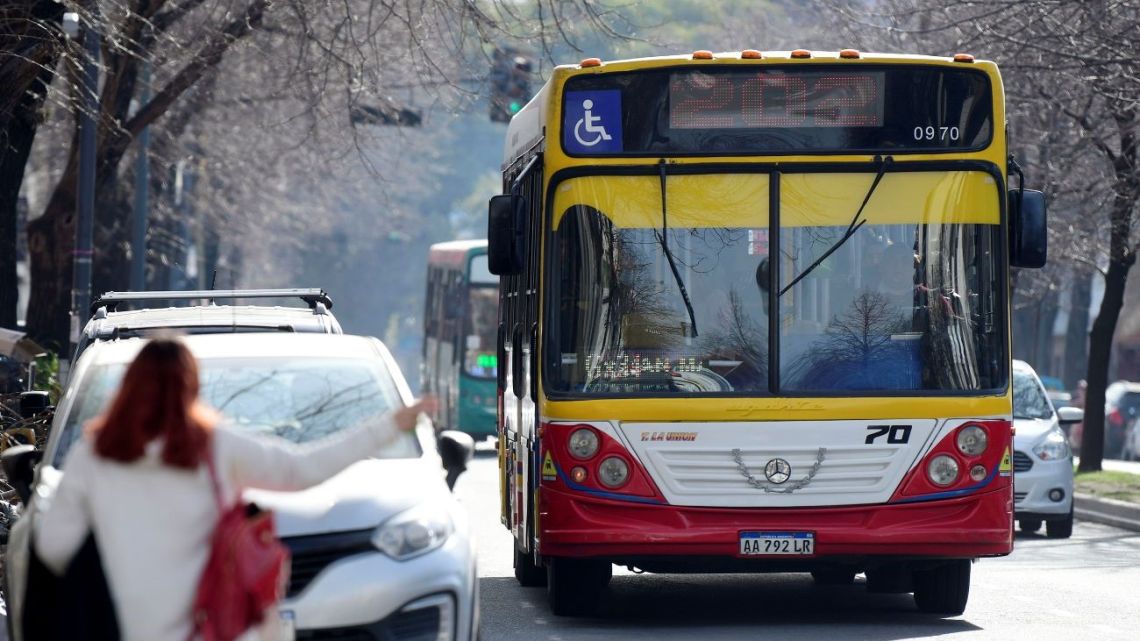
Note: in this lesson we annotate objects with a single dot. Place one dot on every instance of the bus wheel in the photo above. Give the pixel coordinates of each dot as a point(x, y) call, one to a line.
point(943, 589)
point(574, 587)
point(528, 573)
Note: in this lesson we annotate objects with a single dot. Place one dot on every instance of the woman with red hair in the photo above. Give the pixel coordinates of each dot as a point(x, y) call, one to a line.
point(139, 481)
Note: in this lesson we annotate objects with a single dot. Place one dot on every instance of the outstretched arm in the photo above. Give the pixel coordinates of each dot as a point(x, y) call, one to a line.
point(276, 464)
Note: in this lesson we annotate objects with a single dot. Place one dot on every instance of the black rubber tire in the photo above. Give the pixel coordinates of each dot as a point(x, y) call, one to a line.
point(1061, 529)
point(833, 576)
point(574, 586)
point(943, 589)
point(527, 572)
point(1029, 526)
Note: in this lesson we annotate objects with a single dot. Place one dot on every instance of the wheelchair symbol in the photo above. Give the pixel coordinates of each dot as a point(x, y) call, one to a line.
point(589, 123)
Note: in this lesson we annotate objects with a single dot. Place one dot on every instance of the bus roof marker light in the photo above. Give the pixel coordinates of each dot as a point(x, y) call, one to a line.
point(702, 54)
point(751, 54)
point(849, 54)
point(963, 57)
point(590, 62)
point(801, 53)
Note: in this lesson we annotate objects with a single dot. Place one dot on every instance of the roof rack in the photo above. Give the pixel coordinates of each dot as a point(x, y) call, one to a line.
point(311, 296)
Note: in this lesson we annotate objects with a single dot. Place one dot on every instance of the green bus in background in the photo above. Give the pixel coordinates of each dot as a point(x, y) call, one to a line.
point(460, 364)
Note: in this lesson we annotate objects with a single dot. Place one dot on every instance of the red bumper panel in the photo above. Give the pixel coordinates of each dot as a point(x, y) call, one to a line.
point(578, 525)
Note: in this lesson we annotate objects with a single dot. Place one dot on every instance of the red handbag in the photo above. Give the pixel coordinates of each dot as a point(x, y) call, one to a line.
point(245, 574)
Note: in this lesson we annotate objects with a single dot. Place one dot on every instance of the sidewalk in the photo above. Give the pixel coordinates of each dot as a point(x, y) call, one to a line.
point(1132, 467)
point(1119, 514)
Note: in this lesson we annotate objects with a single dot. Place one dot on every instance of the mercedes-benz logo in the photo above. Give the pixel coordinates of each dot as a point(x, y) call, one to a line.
point(777, 471)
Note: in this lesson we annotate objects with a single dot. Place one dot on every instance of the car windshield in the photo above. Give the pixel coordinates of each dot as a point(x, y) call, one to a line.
point(482, 323)
point(299, 400)
point(1029, 400)
point(910, 301)
point(1130, 402)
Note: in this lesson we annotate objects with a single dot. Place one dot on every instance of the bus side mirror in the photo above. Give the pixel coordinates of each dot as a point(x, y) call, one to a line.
point(506, 234)
point(1028, 229)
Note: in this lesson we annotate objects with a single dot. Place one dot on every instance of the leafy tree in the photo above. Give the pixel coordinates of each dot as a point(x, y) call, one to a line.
point(1071, 81)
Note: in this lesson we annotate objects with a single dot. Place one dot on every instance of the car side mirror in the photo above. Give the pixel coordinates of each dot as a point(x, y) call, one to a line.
point(506, 234)
point(456, 450)
point(19, 465)
point(1070, 415)
point(1028, 228)
point(34, 403)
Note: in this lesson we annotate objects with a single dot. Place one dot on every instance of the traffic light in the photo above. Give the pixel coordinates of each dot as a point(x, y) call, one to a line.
point(510, 83)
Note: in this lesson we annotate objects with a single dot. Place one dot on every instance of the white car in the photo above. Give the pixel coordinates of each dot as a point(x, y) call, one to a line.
point(1130, 451)
point(380, 551)
point(1042, 460)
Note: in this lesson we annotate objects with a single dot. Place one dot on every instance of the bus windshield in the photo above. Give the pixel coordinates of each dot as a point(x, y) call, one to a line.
point(909, 303)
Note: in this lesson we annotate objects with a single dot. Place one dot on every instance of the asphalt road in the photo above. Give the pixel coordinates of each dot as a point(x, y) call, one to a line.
point(1081, 588)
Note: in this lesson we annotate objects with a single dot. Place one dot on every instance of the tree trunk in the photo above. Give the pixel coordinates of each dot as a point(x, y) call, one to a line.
point(28, 58)
point(1043, 345)
point(1077, 332)
point(1024, 327)
point(1100, 349)
point(18, 137)
point(51, 238)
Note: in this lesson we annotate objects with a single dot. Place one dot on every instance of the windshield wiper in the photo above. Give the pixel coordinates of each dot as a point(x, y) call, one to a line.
point(663, 240)
point(856, 224)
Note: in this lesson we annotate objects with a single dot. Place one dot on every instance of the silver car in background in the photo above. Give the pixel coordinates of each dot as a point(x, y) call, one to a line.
point(382, 551)
point(1042, 460)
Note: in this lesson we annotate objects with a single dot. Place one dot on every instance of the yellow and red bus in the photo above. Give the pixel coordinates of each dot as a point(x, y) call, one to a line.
point(754, 317)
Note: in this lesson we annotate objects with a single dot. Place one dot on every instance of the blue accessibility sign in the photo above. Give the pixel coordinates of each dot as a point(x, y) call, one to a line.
point(591, 123)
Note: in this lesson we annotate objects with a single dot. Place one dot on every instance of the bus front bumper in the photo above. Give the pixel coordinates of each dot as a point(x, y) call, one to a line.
point(577, 526)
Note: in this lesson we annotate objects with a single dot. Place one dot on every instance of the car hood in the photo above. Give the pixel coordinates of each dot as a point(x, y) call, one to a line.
point(1029, 430)
point(362, 496)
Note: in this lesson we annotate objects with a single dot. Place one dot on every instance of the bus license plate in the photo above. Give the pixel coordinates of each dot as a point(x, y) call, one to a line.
point(777, 543)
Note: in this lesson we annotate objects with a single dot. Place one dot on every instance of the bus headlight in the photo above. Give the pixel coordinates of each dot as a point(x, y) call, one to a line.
point(1053, 447)
point(942, 470)
point(972, 440)
point(583, 443)
point(413, 532)
point(613, 472)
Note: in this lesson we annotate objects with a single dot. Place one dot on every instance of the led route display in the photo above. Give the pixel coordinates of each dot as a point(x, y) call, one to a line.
point(773, 98)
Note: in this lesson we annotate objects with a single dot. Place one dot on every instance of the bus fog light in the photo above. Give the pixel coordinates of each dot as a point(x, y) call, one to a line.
point(579, 474)
point(942, 470)
point(1056, 495)
point(583, 443)
point(978, 472)
point(972, 440)
point(613, 472)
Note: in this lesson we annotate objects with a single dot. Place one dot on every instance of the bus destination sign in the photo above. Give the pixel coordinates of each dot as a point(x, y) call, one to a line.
point(770, 98)
point(757, 110)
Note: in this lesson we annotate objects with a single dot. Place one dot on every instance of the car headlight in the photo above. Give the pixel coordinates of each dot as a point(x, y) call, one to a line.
point(1053, 447)
point(413, 532)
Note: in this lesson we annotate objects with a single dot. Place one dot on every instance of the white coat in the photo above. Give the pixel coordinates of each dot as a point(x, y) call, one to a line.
point(153, 523)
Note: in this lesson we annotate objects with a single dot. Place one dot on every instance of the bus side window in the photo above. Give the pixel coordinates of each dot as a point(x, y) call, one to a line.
point(516, 358)
point(501, 355)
